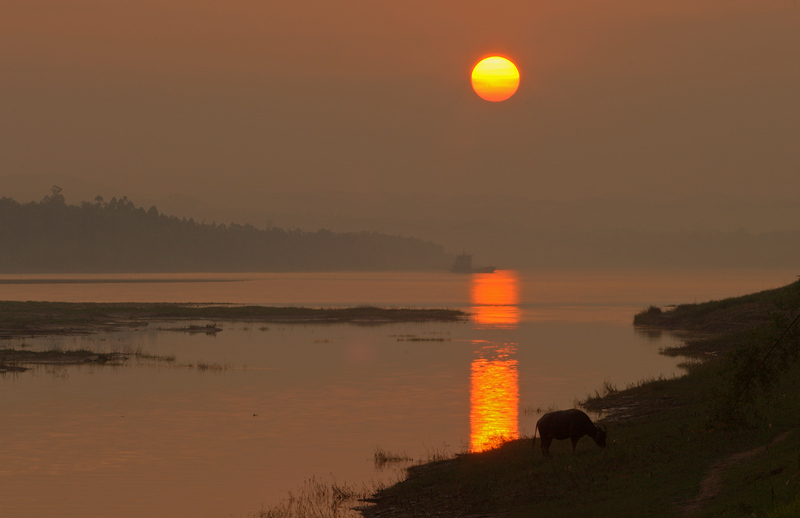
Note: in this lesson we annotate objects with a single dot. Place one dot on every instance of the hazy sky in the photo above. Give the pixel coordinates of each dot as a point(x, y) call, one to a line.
point(618, 98)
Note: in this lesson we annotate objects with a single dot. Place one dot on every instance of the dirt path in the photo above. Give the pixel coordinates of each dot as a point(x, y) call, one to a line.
point(711, 484)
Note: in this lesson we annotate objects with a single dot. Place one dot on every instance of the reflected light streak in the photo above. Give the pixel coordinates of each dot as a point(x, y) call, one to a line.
point(494, 397)
point(495, 299)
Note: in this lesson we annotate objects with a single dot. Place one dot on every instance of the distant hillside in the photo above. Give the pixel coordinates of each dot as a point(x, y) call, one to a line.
point(116, 236)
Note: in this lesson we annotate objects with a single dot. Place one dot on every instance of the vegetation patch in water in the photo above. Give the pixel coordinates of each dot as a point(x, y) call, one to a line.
point(45, 318)
point(19, 360)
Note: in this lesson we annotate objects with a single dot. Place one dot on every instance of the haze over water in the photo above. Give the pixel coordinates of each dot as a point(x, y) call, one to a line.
point(657, 133)
point(296, 401)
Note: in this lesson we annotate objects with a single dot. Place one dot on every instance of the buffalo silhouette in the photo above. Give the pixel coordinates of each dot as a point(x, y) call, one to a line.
point(567, 424)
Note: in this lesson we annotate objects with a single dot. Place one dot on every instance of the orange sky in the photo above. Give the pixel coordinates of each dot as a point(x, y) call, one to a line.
point(619, 98)
point(316, 38)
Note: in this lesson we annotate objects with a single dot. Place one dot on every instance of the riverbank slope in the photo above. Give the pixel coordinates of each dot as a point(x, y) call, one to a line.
point(720, 441)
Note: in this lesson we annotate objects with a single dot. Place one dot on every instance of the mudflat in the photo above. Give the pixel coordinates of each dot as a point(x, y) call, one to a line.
point(30, 319)
point(20, 319)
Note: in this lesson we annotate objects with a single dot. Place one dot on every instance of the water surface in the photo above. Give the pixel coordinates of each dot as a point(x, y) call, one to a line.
point(296, 401)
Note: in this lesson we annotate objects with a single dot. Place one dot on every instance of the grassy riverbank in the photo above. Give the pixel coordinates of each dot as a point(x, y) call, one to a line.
point(43, 318)
point(721, 441)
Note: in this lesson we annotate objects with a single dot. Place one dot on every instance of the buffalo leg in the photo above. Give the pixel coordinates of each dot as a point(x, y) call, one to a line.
point(546, 446)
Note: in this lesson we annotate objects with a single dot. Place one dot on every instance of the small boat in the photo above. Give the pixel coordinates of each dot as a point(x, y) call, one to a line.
point(463, 264)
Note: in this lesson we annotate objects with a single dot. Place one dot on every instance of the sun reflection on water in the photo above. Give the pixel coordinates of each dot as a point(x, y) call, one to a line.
point(494, 397)
point(494, 380)
point(495, 299)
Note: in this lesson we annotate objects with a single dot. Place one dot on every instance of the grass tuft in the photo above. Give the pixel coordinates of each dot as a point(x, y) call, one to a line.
point(382, 458)
point(317, 499)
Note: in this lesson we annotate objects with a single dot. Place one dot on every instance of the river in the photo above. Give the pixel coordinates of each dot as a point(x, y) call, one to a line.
point(275, 404)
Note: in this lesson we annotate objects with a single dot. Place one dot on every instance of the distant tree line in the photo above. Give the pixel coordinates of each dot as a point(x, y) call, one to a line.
point(116, 236)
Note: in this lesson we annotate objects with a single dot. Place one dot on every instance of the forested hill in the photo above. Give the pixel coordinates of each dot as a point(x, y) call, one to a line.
point(51, 236)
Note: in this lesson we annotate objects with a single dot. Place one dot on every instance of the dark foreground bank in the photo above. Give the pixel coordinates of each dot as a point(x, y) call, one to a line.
point(723, 440)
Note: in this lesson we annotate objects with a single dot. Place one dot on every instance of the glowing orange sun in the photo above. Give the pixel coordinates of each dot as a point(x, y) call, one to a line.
point(495, 79)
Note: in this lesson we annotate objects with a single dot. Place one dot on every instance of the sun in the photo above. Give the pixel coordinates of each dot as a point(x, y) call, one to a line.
point(495, 78)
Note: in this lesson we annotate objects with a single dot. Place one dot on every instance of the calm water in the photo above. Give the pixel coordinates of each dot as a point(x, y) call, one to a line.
point(296, 401)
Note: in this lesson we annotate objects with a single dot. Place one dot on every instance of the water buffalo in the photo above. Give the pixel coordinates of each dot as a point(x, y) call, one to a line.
point(567, 424)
